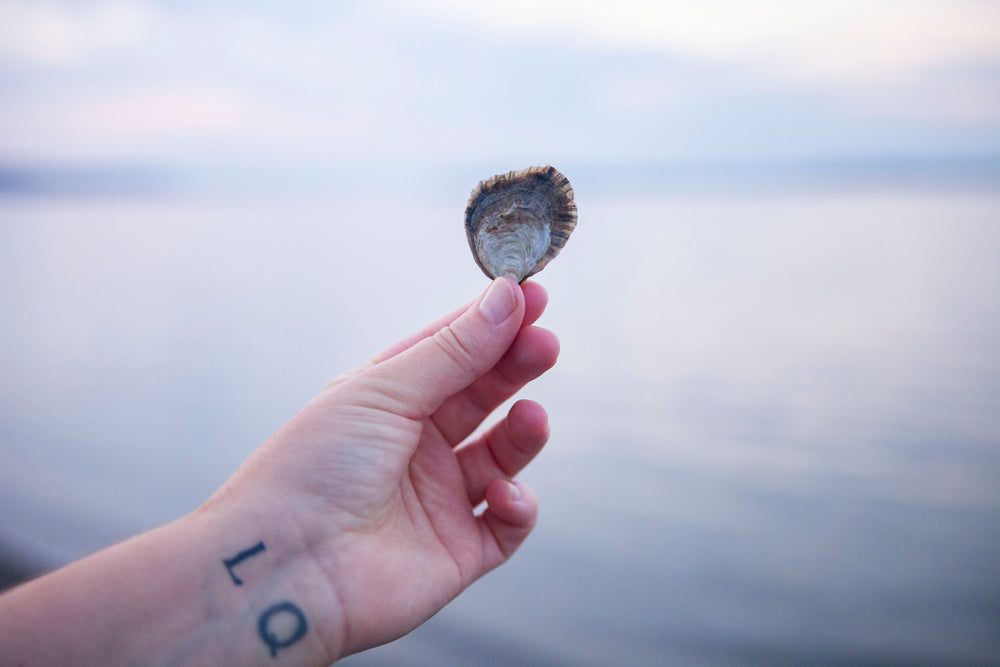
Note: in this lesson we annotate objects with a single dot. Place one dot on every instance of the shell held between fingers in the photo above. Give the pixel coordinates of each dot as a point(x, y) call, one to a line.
point(518, 222)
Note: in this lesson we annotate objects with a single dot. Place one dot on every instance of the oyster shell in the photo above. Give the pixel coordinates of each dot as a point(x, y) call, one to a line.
point(518, 221)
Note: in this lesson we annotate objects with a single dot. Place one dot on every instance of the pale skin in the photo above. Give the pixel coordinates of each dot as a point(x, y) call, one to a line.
point(351, 525)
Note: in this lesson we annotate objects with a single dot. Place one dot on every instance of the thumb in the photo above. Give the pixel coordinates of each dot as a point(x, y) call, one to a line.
point(420, 379)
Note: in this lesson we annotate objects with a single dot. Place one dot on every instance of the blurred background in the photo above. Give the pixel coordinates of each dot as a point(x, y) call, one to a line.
point(776, 416)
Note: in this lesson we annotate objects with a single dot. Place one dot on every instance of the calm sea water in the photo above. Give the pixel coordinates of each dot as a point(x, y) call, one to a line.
point(776, 417)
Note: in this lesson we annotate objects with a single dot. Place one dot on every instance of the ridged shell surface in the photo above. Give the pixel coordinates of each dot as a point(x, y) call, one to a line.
point(518, 221)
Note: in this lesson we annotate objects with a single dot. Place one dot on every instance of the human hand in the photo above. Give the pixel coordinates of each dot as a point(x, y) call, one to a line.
point(374, 487)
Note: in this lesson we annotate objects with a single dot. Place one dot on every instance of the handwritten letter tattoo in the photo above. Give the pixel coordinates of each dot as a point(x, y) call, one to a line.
point(281, 610)
point(239, 558)
point(271, 639)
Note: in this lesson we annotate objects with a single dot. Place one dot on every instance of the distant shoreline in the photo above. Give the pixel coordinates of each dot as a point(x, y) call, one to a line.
point(334, 179)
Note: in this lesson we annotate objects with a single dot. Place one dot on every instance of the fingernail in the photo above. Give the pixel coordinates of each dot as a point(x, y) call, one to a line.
point(515, 492)
point(499, 301)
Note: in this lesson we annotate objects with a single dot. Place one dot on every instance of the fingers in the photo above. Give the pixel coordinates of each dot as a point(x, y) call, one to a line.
point(426, 332)
point(535, 300)
point(416, 381)
point(534, 351)
point(511, 514)
point(503, 450)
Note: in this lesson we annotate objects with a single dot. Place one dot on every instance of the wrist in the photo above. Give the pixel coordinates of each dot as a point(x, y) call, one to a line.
point(170, 597)
point(262, 569)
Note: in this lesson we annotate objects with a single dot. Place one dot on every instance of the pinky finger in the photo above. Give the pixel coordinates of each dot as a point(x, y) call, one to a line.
point(511, 512)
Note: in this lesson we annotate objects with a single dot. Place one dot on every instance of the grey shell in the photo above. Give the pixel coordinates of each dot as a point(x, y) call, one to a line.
point(518, 221)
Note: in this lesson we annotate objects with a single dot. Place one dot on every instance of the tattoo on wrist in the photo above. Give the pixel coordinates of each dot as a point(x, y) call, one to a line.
point(270, 638)
point(230, 563)
point(276, 615)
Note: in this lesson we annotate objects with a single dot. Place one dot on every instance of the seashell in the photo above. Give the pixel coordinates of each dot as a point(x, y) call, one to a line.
point(519, 221)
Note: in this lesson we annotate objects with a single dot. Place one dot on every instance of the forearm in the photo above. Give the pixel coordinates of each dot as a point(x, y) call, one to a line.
point(216, 587)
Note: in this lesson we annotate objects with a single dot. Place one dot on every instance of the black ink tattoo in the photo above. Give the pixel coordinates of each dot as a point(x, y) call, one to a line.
point(239, 558)
point(272, 640)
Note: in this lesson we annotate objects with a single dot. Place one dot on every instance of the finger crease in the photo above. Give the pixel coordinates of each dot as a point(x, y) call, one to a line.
point(452, 345)
point(492, 451)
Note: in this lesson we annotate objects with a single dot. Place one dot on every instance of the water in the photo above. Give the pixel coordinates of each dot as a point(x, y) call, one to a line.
point(776, 416)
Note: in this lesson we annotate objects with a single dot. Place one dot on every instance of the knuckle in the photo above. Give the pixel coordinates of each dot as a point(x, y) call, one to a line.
point(450, 343)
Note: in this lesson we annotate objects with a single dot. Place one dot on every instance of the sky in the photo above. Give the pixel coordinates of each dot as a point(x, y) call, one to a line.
point(448, 82)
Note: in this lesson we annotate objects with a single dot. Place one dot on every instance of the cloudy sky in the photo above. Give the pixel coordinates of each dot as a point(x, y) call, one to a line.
point(446, 81)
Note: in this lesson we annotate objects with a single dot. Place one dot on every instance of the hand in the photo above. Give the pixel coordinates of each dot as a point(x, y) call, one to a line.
point(350, 526)
point(377, 478)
